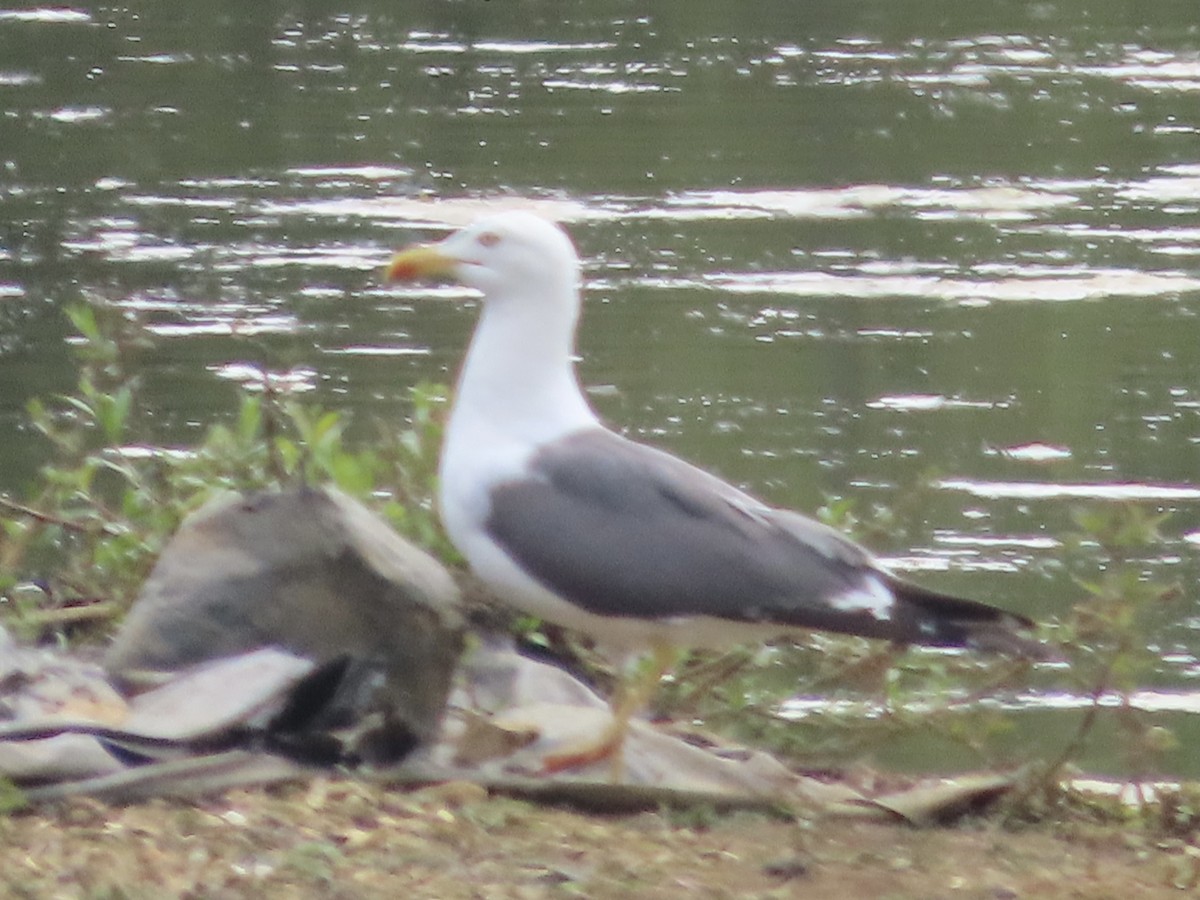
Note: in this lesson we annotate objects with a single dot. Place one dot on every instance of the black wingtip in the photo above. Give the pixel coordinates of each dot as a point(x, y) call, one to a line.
point(945, 620)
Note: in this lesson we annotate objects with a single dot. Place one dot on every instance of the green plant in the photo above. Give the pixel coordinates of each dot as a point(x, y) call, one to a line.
point(106, 501)
point(1106, 635)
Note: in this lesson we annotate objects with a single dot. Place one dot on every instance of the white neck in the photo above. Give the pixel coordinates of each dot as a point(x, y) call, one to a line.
point(518, 381)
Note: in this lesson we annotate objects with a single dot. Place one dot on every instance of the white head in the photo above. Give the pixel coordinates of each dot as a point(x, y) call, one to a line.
point(498, 255)
point(518, 379)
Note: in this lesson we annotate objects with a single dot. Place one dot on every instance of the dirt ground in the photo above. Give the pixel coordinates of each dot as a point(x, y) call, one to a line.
point(343, 839)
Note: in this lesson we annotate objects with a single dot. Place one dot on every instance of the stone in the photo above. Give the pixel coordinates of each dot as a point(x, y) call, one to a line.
point(310, 571)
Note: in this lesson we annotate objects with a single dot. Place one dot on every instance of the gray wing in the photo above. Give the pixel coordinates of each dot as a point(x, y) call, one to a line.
point(621, 529)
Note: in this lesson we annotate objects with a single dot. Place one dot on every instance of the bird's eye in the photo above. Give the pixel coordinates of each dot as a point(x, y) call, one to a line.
point(488, 239)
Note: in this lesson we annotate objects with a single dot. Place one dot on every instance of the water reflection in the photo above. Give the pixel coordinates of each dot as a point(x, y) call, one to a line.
point(253, 378)
point(1032, 490)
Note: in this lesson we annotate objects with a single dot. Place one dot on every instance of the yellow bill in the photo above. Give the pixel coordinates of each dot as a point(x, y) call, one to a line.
point(423, 261)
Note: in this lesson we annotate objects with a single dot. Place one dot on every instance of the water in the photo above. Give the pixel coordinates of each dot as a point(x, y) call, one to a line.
point(943, 260)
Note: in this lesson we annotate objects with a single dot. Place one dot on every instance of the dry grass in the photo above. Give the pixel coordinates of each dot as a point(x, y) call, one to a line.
point(342, 839)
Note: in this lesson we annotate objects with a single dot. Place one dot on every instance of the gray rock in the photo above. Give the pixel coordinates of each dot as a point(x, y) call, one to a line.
point(310, 571)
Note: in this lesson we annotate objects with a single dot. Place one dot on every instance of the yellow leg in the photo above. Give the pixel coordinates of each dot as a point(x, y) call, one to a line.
point(632, 695)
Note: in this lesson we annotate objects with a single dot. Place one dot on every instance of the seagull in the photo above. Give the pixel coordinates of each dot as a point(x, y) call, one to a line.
point(577, 525)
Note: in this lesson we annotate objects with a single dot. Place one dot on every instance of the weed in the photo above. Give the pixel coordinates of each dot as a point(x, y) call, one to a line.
point(74, 552)
point(1105, 636)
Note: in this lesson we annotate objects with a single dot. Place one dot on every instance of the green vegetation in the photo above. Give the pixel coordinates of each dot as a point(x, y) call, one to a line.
point(1105, 636)
point(106, 501)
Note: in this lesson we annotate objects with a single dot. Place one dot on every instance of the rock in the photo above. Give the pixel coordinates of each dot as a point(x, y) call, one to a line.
point(310, 571)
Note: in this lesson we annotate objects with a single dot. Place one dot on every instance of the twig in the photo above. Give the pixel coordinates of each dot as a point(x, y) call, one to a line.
point(1075, 745)
point(1049, 774)
point(703, 678)
point(70, 615)
point(51, 519)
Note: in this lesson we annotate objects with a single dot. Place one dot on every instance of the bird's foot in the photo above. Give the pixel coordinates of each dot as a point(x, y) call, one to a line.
point(631, 696)
point(608, 746)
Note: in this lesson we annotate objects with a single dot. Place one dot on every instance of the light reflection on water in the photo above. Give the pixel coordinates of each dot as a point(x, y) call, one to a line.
point(118, 240)
point(299, 380)
point(1053, 713)
point(1150, 701)
point(1036, 490)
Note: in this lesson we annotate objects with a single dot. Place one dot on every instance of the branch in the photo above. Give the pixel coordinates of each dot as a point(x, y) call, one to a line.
point(50, 519)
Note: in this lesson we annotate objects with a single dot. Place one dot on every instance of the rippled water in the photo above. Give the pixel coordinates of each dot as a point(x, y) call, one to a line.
point(947, 263)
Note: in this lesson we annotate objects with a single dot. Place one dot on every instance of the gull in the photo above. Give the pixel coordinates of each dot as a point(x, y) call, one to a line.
point(575, 524)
